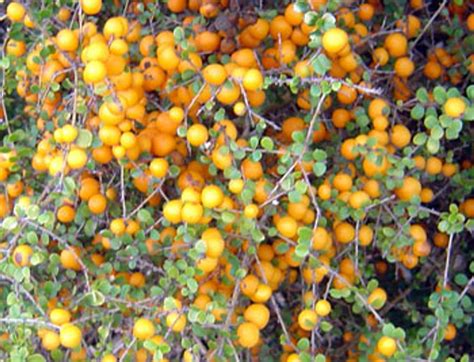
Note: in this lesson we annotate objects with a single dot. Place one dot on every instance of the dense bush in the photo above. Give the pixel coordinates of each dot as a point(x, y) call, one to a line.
point(230, 180)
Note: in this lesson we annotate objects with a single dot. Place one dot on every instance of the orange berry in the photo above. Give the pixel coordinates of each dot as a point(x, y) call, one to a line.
point(258, 314)
point(404, 67)
point(359, 199)
point(159, 167)
point(21, 255)
point(307, 319)
point(400, 136)
point(344, 232)
point(248, 334)
point(70, 336)
point(66, 214)
point(197, 135)
point(214, 74)
point(91, 7)
point(253, 80)
point(212, 196)
point(117, 226)
point(454, 107)
point(386, 346)
point(396, 44)
point(366, 12)
point(334, 40)
point(97, 204)
point(143, 329)
point(67, 40)
point(293, 16)
point(410, 187)
point(322, 308)
point(287, 226)
point(15, 11)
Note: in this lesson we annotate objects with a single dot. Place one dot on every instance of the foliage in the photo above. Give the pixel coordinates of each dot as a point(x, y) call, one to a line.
point(224, 180)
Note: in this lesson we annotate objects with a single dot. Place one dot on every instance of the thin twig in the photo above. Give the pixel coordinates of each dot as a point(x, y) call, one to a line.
point(428, 24)
point(122, 192)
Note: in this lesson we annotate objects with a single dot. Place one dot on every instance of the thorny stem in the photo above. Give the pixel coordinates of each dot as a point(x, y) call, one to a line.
point(122, 192)
point(124, 355)
point(34, 322)
point(445, 282)
point(306, 143)
point(25, 292)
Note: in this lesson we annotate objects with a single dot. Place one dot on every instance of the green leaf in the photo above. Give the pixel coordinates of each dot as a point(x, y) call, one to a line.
point(305, 234)
point(267, 143)
point(417, 112)
point(439, 94)
point(9, 223)
point(228, 217)
point(336, 86)
point(36, 358)
point(321, 64)
point(311, 17)
point(169, 304)
point(150, 345)
point(303, 344)
point(320, 358)
point(253, 142)
point(461, 279)
point(69, 185)
point(301, 187)
point(319, 155)
point(362, 120)
point(181, 131)
point(433, 145)
point(298, 136)
point(144, 216)
point(84, 138)
point(398, 333)
point(452, 133)
point(282, 248)
point(37, 259)
point(257, 235)
point(422, 95)
point(431, 121)
point(469, 114)
point(294, 196)
point(374, 283)
point(32, 237)
point(315, 91)
point(219, 115)
point(319, 169)
point(5, 62)
point(470, 91)
point(178, 34)
point(326, 326)
point(437, 133)
point(420, 139)
point(192, 284)
point(301, 251)
point(94, 298)
point(388, 329)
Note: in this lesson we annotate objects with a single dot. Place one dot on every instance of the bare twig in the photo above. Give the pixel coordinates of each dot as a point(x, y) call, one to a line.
point(428, 24)
point(445, 282)
point(122, 192)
